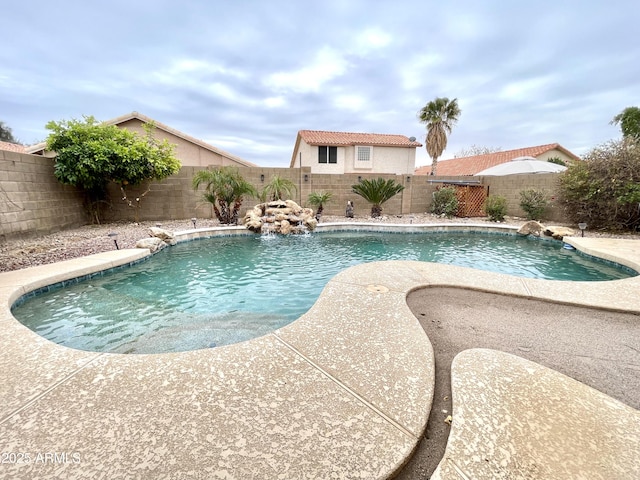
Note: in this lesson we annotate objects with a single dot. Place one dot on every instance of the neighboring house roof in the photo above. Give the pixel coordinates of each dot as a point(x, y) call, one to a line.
point(477, 163)
point(341, 139)
point(12, 147)
point(166, 128)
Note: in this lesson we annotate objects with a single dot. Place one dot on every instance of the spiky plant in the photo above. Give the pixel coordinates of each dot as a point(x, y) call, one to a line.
point(318, 199)
point(377, 192)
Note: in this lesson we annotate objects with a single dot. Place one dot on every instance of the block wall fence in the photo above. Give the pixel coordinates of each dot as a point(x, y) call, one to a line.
point(33, 202)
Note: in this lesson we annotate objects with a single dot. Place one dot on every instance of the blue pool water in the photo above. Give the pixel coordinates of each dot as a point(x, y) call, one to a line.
point(224, 290)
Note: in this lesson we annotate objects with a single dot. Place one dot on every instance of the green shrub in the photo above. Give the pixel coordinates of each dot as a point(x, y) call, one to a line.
point(604, 189)
point(534, 202)
point(557, 161)
point(496, 208)
point(445, 202)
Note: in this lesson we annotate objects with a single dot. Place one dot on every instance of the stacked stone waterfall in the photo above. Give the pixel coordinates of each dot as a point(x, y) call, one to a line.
point(280, 216)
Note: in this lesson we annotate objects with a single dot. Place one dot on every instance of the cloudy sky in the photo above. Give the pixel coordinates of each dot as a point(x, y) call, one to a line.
point(246, 75)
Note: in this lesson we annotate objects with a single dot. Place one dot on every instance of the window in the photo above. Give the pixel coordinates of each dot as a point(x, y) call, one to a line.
point(327, 154)
point(363, 157)
point(363, 154)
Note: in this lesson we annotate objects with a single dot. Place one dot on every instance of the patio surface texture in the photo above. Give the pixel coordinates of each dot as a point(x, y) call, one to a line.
point(343, 392)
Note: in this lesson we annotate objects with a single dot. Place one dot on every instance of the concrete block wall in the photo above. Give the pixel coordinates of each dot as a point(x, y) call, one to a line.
point(171, 199)
point(32, 201)
point(510, 187)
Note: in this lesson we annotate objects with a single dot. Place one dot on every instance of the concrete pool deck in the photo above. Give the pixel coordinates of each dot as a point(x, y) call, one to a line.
point(344, 392)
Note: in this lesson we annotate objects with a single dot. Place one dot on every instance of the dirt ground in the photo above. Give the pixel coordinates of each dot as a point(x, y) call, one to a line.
point(598, 348)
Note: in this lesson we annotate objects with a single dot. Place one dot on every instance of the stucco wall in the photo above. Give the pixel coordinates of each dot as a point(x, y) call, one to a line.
point(32, 200)
point(555, 153)
point(190, 154)
point(389, 160)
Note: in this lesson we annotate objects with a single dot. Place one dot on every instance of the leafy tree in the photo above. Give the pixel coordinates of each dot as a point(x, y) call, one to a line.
point(474, 150)
point(629, 121)
point(318, 199)
point(6, 135)
point(225, 189)
point(440, 115)
point(377, 192)
point(279, 187)
point(90, 154)
point(604, 189)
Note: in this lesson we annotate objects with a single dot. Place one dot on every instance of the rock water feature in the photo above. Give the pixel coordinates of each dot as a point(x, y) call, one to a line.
point(280, 216)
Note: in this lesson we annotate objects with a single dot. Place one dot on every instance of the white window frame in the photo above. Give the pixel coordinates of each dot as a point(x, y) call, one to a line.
point(358, 162)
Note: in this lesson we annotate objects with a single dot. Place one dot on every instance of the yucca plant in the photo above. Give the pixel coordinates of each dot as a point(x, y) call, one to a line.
point(318, 199)
point(377, 192)
point(225, 189)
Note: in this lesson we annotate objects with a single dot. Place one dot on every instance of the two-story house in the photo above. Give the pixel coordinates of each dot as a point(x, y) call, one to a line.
point(344, 152)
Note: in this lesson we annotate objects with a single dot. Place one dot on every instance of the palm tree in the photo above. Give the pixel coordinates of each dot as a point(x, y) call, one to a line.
point(376, 192)
point(440, 115)
point(279, 187)
point(225, 189)
point(318, 199)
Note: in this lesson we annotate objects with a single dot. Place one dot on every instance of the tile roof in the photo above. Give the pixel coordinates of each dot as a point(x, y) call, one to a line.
point(12, 147)
point(477, 163)
point(318, 137)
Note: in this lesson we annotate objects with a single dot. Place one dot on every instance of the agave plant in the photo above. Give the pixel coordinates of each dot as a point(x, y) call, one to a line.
point(377, 192)
point(279, 187)
point(318, 199)
point(225, 189)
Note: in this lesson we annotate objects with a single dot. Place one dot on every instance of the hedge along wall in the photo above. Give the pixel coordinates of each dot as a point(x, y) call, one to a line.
point(32, 201)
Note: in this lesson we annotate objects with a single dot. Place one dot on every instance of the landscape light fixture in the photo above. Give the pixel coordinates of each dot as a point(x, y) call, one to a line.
point(582, 226)
point(306, 177)
point(114, 236)
point(262, 177)
point(193, 220)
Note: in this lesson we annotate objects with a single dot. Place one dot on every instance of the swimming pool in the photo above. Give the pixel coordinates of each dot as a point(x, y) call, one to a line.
point(224, 290)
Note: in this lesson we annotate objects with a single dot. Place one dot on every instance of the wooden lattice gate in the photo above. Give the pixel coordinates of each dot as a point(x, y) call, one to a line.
point(471, 200)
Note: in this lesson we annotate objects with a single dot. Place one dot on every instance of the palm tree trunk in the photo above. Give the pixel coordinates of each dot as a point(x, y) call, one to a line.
point(434, 166)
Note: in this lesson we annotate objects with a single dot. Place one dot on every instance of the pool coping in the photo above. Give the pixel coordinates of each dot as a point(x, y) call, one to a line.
point(358, 361)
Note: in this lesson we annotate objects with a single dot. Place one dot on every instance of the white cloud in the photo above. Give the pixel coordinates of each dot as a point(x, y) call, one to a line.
point(372, 39)
point(352, 102)
point(274, 102)
point(326, 65)
point(418, 68)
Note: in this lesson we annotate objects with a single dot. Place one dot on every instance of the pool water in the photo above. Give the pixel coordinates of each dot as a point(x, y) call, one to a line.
point(220, 291)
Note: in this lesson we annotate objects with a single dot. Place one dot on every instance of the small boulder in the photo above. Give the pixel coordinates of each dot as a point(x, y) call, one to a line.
point(558, 232)
point(163, 234)
point(531, 228)
point(152, 243)
point(285, 227)
point(311, 224)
